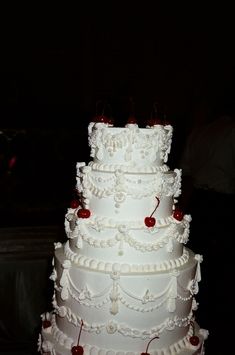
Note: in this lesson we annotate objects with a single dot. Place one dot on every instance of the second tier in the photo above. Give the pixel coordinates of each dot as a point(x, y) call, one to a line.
point(101, 239)
point(123, 194)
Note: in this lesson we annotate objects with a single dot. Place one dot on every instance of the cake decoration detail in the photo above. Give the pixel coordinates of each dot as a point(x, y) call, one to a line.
point(194, 339)
point(78, 349)
point(151, 221)
point(121, 235)
point(154, 117)
point(74, 204)
point(66, 342)
point(83, 213)
point(131, 120)
point(103, 113)
point(146, 351)
point(105, 143)
point(46, 323)
point(116, 293)
point(64, 280)
point(178, 214)
point(193, 284)
point(125, 268)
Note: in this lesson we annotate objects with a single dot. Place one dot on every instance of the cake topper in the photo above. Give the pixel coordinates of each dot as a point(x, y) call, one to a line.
point(103, 113)
point(154, 117)
point(131, 119)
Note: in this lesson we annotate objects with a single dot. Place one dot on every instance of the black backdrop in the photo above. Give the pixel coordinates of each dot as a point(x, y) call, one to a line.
point(57, 62)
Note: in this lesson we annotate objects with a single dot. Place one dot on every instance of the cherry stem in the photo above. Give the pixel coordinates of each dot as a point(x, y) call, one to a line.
point(100, 106)
point(193, 326)
point(132, 106)
point(156, 337)
point(80, 331)
point(158, 202)
point(154, 112)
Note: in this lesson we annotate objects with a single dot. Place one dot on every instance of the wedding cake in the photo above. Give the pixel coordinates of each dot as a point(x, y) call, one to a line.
point(124, 281)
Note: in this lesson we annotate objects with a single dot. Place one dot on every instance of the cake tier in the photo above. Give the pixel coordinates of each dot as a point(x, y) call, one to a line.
point(123, 195)
point(107, 240)
point(48, 345)
point(122, 308)
point(130, 146)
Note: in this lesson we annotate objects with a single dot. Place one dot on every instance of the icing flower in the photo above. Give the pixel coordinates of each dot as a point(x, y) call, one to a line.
point(111, 327)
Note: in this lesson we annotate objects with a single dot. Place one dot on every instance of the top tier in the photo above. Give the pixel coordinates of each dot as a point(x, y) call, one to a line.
point(130, 146)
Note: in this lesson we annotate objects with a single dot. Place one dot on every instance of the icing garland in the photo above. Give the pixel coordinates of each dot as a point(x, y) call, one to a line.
point(112, 326)
point(85, 297)
point(91, 185)
point(121, 237)
point(112, 292)
point(124, 235)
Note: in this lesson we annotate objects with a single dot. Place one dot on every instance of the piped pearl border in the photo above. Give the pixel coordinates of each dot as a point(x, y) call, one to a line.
point(127, 169)
point(107, 267)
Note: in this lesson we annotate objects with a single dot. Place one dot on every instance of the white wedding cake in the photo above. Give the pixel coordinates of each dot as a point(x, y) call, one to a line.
point(124, 281)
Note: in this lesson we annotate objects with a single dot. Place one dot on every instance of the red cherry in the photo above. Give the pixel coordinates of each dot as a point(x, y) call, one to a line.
point(110, 121)
point(102, 118)
point(150, 221)
point(194, 340)
point(74, 203)
point(166, 123)
point(145, 354)
point(178, 214)
point(83, 213)
point(77, 350)
point(131, 120)
point(46, 324)
point(153, 122)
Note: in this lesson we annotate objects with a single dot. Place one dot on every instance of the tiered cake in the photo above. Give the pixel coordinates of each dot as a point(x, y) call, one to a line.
point(124, 282)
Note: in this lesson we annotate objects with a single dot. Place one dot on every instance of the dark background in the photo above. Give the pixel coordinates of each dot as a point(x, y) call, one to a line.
point(55, 64)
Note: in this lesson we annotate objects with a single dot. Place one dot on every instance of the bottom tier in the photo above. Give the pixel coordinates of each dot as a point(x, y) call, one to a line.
point(50, 346)
point(121, 310)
